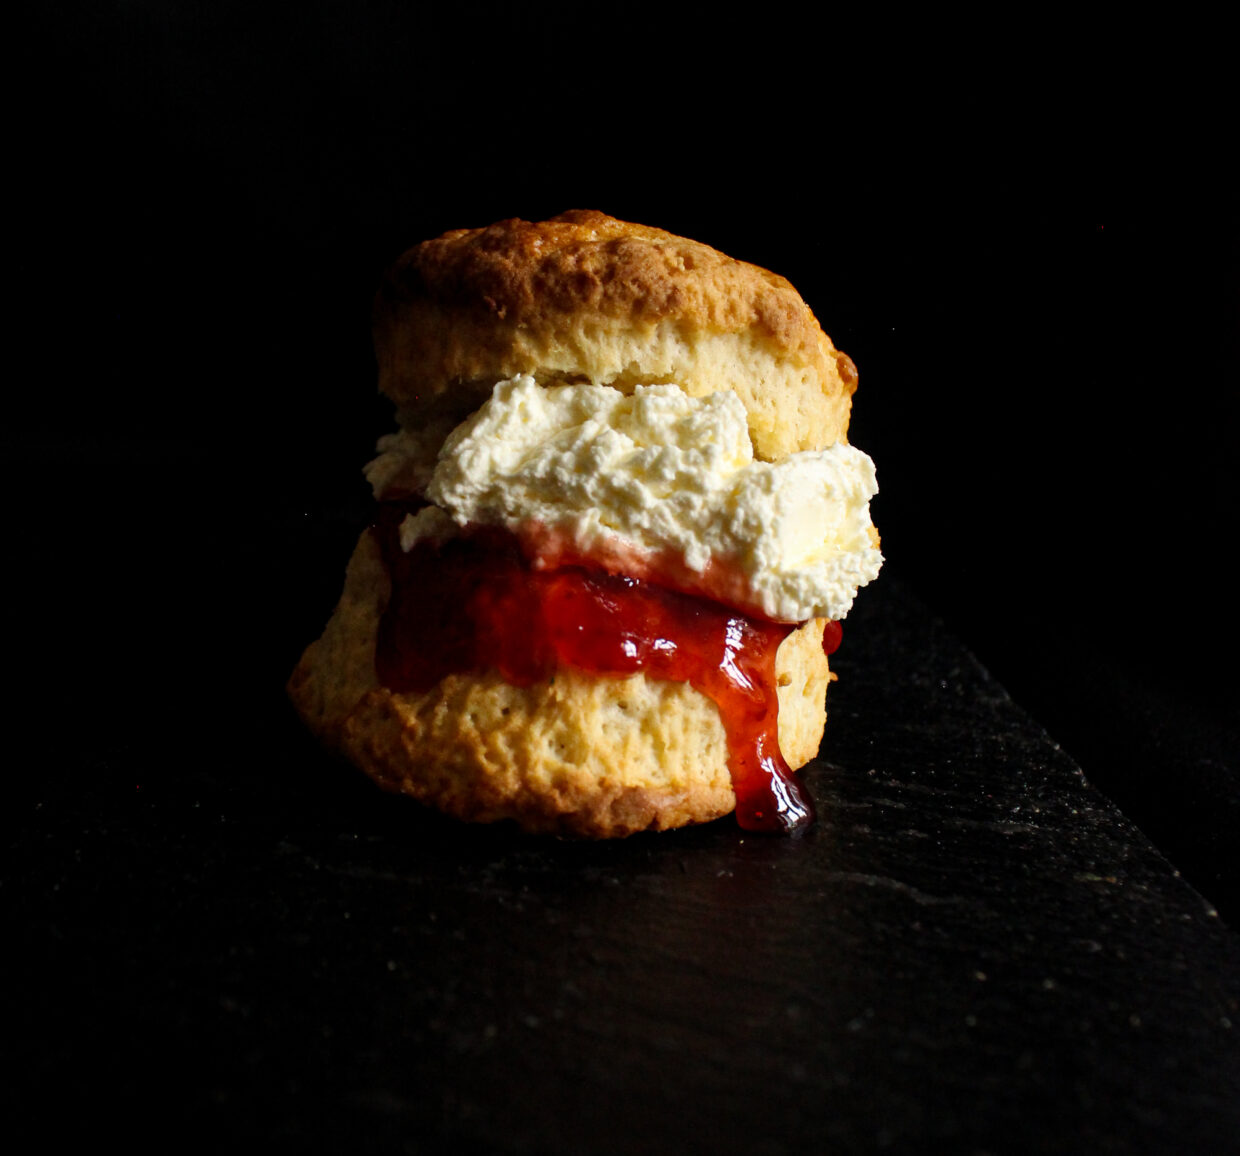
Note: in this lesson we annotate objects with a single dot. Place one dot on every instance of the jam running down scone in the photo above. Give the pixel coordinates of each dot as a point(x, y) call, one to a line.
point(615, 533)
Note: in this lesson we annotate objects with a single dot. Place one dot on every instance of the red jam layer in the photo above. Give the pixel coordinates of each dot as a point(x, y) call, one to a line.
point(474, 603)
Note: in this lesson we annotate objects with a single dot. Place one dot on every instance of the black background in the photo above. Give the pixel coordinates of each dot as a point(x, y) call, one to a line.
point(1027, 244)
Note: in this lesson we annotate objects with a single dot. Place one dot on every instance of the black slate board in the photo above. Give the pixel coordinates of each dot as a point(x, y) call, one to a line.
point(972, 951)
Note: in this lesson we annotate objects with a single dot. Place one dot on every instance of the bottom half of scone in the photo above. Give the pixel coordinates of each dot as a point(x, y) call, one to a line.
point(574, 754)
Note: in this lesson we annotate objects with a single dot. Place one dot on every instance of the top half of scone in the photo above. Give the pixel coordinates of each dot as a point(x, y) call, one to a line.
point(613, 393)
point(586, 298)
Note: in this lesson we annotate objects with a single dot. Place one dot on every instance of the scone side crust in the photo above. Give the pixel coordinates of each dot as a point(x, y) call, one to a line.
point(483, 751)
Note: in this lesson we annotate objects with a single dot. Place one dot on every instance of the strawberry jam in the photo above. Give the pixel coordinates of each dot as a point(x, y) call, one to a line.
point(832, 636)
point(473, 603)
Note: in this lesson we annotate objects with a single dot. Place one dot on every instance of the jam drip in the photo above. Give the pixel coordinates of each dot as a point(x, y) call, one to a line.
point(832, 636)
point(473, 603)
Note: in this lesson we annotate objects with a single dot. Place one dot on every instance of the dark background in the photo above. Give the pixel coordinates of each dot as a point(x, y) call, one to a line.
point(1028, 246)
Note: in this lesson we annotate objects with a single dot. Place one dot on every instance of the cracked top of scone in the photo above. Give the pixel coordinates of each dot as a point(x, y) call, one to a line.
point(587, 298)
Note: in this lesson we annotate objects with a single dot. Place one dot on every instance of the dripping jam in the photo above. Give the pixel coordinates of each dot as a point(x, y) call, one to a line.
point(473, 602)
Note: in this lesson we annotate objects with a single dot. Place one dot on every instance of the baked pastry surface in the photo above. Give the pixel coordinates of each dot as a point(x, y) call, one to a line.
point(577, 754)
point(585, 297)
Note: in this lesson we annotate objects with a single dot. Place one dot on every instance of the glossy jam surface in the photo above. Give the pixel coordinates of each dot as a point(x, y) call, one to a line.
point(474, 603)
point(832, 636)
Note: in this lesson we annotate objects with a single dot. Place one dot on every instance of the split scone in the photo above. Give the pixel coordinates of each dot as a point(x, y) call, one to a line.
point(615, 534)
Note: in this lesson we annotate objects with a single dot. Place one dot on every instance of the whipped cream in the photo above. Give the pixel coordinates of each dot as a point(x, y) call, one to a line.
point(655, 484)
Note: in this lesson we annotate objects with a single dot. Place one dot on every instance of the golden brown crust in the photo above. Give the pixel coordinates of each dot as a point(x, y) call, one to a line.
point(578, 754)
point(586, 297)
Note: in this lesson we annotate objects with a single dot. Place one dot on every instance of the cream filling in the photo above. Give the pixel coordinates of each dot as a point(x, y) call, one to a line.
point(655, 484)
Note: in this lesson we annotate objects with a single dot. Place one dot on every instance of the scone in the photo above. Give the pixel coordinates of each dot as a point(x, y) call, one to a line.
point(616, 530)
